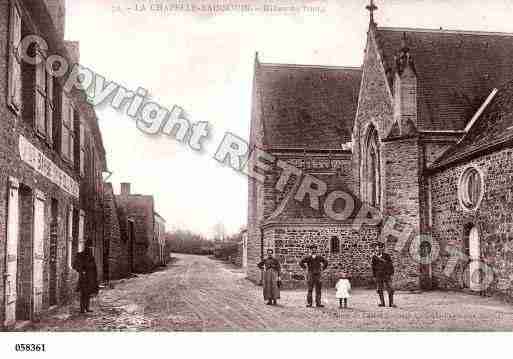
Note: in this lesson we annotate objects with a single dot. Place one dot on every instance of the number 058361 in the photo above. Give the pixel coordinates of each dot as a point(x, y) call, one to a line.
point(30, 347)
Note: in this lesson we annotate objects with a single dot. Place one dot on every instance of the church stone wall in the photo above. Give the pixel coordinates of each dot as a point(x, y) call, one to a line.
point(494, 220)
point(399, 161)
point(291, 243)
point(402, 201)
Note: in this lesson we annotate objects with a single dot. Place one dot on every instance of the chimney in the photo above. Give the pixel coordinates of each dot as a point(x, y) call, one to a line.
point(125, 189)
point(57, 11)
point(73, 48)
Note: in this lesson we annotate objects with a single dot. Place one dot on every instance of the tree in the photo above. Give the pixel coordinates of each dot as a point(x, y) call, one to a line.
point(219, 231)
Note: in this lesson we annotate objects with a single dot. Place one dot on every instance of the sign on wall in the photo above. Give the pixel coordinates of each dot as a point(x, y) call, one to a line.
point(37, 160)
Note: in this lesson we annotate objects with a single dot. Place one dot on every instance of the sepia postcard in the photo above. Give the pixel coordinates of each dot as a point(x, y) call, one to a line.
point(253, 166)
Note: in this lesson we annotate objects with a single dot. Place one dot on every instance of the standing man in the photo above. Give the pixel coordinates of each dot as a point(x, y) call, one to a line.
point(383, 270)
point(315, 264)
point(85, 265)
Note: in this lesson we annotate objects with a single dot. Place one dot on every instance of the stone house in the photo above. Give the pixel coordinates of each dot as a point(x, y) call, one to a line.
point(244, 249)
point(159, 237)
point(421, 133)
point(116, 255)
point(51, 160)
point(138, 225)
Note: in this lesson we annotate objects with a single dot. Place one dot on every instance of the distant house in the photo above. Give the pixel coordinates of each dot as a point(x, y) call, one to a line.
point(158, 239)
point(141, 228)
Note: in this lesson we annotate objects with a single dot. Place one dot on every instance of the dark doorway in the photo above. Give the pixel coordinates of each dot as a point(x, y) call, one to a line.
point(25, 243)
point(106, 257)
point(54, 240)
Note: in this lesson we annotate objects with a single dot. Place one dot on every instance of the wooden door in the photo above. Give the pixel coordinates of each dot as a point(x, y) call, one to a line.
point(475, 257)
point(38, 254)
point(10, 284)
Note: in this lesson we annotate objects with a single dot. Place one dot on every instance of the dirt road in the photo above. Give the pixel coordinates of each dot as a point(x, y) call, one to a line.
point(200, 294)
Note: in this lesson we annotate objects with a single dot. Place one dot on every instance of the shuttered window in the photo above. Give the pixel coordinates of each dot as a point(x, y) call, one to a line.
point(67, 137)
point(14, 93)
point(40, 94)
point(82, 147)
point(44, 106)
point(50, 107)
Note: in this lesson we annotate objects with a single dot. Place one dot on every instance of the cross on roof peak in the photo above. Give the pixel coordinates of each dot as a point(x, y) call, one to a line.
point(371, 7)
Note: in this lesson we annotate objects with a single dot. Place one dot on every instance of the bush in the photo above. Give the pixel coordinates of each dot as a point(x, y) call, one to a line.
point(226, 251)
point(188, 243)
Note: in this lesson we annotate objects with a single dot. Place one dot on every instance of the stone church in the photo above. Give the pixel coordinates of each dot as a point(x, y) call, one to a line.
point(422, 133)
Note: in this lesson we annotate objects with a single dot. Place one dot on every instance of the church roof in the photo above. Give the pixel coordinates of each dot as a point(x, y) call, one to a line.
point(456, 70)
point(494, 127)
point(290, 210)
point(307, 107)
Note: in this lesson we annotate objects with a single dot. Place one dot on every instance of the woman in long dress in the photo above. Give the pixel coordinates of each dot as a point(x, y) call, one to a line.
point(271, 277)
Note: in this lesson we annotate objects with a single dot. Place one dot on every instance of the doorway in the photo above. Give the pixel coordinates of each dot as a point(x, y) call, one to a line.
point(54, 239)
point(13, 234)
point(24, 254)
point(472, 248)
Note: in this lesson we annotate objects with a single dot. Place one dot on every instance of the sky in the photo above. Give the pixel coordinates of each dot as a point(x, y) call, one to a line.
point(203, 62)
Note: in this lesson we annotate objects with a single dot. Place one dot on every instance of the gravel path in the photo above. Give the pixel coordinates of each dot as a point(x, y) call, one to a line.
point(199, 294)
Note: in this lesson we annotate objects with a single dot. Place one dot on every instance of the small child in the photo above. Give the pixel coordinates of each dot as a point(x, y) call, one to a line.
point(343, 289)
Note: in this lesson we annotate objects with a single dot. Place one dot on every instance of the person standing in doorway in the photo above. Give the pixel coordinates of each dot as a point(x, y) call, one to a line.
point(315, 264)
point(383, 270)
point(85, 265)
point(271, 277)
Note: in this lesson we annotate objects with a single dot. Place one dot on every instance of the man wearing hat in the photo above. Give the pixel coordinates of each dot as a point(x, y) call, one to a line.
point(383, 270)
point(315, 264)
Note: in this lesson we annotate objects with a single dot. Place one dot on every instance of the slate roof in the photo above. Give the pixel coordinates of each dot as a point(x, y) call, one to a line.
point(308, 107)
point(291, 210)
point(456, 70)
point(493, 127)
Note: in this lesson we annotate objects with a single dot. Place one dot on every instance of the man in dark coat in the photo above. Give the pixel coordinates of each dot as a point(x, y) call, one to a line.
point(315, 264)
point(85, 265)
point(271, 277)
point(383, 270)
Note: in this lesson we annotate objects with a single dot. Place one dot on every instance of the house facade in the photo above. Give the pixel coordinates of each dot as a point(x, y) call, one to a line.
point(406, 135)
point(159, 238)
point(51, 199)
point(139, 225)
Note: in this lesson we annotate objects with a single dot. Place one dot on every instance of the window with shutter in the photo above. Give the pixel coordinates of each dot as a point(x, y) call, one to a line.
point(67, 138)
point(40, 94)
point(71, 130)
point(82, 138)
point(14, 93)
point(64, 126)
point(49, 107)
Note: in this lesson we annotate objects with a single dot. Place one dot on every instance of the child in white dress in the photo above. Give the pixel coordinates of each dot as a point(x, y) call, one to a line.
point(343, 290)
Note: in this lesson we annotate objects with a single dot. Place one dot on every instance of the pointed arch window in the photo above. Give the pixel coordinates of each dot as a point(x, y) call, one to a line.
point(371, 169)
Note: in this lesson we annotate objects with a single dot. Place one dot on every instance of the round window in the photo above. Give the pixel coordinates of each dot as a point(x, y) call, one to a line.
point(471, 188)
